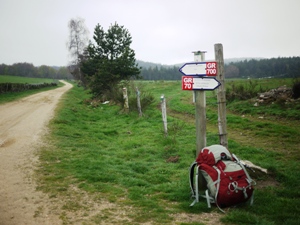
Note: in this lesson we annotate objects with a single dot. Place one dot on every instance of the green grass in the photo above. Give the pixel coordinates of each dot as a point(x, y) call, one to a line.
point(124, 158)
point(29, 80)
point(8, 97)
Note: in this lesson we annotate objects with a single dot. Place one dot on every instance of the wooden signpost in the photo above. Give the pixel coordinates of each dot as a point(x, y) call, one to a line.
point(199, 76)
point(221, 95)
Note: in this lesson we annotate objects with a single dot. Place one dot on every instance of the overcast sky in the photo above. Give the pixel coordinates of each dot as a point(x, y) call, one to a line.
point(163, 31)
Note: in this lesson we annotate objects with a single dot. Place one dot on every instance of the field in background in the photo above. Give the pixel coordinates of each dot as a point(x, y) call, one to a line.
point(126, 159)
point(7, 97)
point(28, 80)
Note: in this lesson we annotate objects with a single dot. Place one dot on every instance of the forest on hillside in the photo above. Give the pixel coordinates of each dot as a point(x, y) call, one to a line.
point(274, 67)
point(284, 67)
point(247, 68)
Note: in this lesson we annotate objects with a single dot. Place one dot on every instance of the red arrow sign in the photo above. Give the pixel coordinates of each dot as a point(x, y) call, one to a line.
point(187, 83)
point(199, 83)
point(199, 68)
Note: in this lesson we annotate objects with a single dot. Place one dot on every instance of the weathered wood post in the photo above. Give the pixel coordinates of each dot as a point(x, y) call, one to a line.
point(125, 96)
point(221, 95)
point(139, 102)
point(164, 114)
point(200, 106)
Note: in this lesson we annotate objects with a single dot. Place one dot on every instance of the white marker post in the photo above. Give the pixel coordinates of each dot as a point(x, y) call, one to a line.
point(164, 114)
point(139, 102)
point(125, 96)
point(200, 102)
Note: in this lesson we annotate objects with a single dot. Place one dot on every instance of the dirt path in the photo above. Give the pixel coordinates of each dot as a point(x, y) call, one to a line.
point(21, 125)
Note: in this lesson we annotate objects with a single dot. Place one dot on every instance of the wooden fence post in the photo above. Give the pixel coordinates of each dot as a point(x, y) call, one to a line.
point(164, 114)
point(125, 96)
point(221, 95)
point(139, 102)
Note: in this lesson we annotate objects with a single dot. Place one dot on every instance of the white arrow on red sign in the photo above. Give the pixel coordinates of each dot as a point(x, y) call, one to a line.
point(199, 83)
point(199, 68)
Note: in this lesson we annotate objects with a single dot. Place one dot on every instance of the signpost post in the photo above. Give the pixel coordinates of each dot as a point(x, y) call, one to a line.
point(221, 96)
point(199, 77)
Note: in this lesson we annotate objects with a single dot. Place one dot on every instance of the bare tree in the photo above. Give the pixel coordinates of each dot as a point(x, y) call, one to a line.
point(77, 43)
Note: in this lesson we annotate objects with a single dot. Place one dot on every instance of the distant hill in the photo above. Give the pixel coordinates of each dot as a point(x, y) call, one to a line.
point(147, 65)
point(234, 68)
point(233, 60)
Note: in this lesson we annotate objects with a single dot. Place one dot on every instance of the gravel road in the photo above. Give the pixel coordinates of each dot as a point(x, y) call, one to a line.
point(22, 124)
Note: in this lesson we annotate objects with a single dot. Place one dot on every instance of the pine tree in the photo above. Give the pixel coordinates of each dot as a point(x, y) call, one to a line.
point(109, 59)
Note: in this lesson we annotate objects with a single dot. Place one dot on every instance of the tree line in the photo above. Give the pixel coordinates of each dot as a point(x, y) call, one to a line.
point(285, 67)
point(29, 70)
point(288, 67)
point(161, 73)
point(247, 68)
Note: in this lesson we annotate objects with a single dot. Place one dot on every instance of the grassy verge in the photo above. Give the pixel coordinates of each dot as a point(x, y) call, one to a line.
point(127, 161)
point(119, 155)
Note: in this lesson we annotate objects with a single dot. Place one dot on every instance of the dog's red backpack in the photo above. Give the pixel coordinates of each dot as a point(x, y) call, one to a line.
point(220, 178)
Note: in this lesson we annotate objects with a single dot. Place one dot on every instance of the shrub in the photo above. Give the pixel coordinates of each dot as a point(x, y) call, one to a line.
point(296, 89)
point(243, 91)
point(146, 97)
point(115, 95)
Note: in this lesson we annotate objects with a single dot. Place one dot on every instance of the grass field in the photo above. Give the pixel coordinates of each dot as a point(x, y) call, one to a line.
point(29, 80)
point(6, 97)
point(126, 159)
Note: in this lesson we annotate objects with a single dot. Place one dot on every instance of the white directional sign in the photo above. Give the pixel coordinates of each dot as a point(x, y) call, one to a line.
point(199, 68)
point(199, 83)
